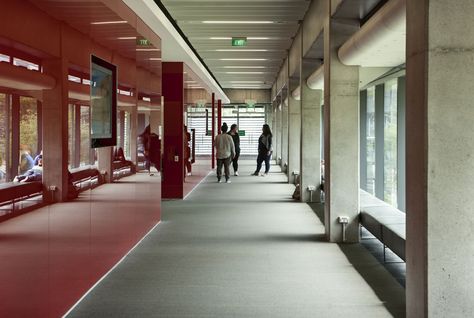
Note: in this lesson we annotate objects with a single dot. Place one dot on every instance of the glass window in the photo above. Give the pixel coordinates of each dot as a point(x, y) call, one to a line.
point(370, 140)
point(4, 58)
point(126, 141)
point(28, 133)
point(71, 135)
point(390, 142)
point(85, 136)
point(3, 138)
point(23, 63)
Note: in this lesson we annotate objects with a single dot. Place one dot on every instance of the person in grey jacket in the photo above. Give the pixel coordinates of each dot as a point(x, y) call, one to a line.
point(225, 152)
point(265, 150)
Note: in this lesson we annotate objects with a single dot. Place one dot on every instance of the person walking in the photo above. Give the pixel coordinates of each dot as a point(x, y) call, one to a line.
point(264, 150)
point(225, 152)
point(234, 133)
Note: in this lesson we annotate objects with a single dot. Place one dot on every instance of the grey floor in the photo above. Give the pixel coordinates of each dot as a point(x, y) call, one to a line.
point(244, 249)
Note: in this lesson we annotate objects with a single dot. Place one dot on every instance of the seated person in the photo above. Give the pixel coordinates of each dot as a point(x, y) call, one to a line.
point(26, 162)
point(33, 174)
point(37, 158)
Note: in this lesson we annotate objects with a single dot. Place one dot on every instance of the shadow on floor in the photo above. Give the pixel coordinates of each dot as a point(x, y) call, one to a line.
point(318, 209)
point(381, 282)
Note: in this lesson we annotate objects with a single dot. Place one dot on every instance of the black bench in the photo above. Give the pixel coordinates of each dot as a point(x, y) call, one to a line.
point(86, 177)
point(122, 169)
point(386, 223)
point(19, 197)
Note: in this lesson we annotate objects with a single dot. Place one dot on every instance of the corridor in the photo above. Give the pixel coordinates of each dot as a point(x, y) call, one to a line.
point(244, 249)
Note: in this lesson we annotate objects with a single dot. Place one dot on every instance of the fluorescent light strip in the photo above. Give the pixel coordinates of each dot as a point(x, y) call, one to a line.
point(155, 59)
point(147, 50)
point(246, 82)
point(238, 22)
point(108, 22)
point(243, 60)
point(244, 72)
point(242, 66)
point(241, 50)
point(127, 38)
point(229, 38)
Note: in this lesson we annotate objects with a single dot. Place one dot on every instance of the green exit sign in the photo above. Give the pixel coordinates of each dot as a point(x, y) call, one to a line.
point(143, 42)
point(242, 133)
point(239, 41)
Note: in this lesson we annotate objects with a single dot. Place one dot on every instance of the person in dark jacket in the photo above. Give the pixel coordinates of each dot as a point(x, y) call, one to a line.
point(264, 150)
point(234, 133)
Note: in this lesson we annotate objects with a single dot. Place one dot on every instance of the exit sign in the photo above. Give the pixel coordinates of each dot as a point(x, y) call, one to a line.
point(143, 42)
point(239, 41)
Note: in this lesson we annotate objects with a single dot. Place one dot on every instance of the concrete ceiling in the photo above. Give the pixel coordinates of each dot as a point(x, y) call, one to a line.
point(268, 25)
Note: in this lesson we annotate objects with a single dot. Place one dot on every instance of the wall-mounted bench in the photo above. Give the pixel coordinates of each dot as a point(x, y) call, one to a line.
point(384, 221)
point(86, 177)
point(122, 169)
point(19, 197)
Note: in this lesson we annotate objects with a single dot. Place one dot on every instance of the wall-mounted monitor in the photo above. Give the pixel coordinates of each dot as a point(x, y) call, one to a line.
point(103, 103)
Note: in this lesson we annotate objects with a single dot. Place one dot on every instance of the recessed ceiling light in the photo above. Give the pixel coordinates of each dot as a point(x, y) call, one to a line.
point(245, 82)
point(108, 22)
point(238, 22)
point(230, 38)
point(237, 66)
point(220, 38)
point(127, 38)
point(243, 59)
point(147, 50)
point(243, 72)
point(258, 38)
point(241, 50)
point(155, 58)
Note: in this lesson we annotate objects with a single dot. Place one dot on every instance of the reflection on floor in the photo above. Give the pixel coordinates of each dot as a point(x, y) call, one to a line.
point(50, 257)
point(244, 249)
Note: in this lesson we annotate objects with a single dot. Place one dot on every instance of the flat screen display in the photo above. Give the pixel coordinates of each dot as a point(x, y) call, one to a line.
point(103, 103)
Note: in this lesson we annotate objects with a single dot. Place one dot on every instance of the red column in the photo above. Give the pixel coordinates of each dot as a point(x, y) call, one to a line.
point(213, 130)
point(173, 121)
point(219, 115)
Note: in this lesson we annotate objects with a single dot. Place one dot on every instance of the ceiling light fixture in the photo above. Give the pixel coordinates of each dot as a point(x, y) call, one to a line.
point(243, 72)
point(243, 59)
point(238, 22)
point(230, 38)
point(237, 66)
point(127, 38)
point(241, 50)
point(148, 50)
point(108, 22)
point(155, 59)
point(245, 82)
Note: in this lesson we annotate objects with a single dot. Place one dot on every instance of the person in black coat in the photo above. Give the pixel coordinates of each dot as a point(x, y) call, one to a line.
point(265, 150)
point(234, 133)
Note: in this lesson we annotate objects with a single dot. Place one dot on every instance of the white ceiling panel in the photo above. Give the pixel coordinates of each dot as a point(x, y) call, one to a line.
point(268, 25)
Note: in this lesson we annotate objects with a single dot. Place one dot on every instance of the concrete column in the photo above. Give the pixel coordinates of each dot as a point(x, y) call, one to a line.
point(310, 173)
point(341, 116)
point(278, 131)
point(439, 165)
point(284, 136)
point(294, 136)
point(55, 129)
point(104, 161)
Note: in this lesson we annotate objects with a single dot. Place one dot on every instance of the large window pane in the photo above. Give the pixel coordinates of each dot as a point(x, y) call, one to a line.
point(126, 143)
point(85, 136)
point(390, 142)
point(371, 140)
point(28, 133)
point(71, 135)
point(3, 138)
